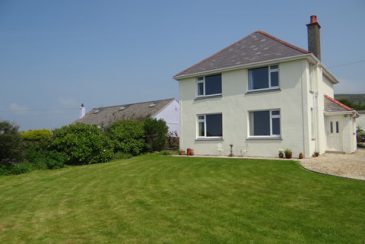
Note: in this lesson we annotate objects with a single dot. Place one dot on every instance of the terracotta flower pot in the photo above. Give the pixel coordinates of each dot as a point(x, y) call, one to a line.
point(288, 154)
point(182, 152)
point(190, 152)
point(301, 156)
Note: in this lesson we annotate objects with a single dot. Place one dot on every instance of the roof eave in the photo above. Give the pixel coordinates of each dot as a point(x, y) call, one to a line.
point(249, 65)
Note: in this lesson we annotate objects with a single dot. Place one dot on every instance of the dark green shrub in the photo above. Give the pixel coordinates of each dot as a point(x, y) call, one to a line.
point(155, 134)
point(82, 144)
point(55, 160)
point(10, 142)
point(15, 168)
point(21, 168)
point(36, 157)
point(127, 136)
point(45, 159)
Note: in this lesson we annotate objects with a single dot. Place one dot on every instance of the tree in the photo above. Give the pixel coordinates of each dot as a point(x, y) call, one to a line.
point(155, 134)
point(9, 142)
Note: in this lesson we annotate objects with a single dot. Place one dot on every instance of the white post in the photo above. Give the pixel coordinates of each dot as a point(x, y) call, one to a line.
point(82, 111)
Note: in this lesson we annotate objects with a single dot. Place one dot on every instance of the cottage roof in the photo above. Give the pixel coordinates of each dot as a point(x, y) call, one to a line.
point(104, 116)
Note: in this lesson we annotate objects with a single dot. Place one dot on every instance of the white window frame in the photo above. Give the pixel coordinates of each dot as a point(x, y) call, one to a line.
point(272, 116)
point(270, 70)
point(204, 120)
point(201, 80)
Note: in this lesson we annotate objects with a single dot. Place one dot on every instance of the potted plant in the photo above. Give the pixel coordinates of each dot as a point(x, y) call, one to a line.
point(288, 153)
point(182, 152)
point(281, 154)
point(315, 154)
point(189, 152)
point(301, 156)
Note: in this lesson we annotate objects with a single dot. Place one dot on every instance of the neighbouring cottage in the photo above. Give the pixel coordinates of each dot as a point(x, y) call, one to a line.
point(261, 95)
point(166, 109)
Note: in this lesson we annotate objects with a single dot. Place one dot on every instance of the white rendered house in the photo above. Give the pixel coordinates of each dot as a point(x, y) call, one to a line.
point(261, 95)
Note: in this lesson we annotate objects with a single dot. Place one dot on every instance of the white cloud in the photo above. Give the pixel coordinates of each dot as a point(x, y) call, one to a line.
point(18, 109)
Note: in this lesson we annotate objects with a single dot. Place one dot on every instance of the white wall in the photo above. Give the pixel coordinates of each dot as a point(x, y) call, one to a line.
point(171, 115)
point(235, 105)
point(325, 87)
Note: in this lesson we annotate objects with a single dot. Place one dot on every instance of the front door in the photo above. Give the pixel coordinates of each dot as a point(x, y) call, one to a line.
point(334, 134)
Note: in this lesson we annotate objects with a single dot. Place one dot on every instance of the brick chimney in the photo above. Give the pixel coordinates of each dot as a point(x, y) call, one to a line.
point(314, 40)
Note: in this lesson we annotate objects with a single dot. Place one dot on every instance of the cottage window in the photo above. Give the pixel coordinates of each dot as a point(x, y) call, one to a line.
point(263, 78)
point(265, 123)
point(209, 85)
point(210, 125)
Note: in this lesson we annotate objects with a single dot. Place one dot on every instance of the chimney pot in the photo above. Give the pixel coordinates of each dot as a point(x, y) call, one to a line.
point(313, 19)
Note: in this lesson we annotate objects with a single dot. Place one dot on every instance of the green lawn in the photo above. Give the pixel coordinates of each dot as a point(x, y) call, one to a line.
point(156, 198)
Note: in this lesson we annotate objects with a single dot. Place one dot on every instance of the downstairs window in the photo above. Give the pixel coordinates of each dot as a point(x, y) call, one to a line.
point(265, 123)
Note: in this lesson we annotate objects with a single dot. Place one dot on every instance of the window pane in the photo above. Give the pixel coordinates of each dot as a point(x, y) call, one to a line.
point(276, 126)
point(213, 84)
point(337, 127)
point(214, 124)
point(331, 125)
point(274, 66)
point(274, 78)
point(275, 112)
point(201, 129)
point(261, 123)
point(200, 88)
point(259, 78)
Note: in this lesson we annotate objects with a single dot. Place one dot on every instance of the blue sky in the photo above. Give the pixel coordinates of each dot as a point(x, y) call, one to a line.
point(56, 55)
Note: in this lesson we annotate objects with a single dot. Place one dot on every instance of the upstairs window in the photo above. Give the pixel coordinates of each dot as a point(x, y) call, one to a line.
point(263, 78)
point(265, 123)
point(209, 85)
point(210, 125)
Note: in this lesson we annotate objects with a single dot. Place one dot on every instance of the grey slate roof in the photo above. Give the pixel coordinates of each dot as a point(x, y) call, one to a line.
point(105, 116)
point(332, 105)
point(256, 47)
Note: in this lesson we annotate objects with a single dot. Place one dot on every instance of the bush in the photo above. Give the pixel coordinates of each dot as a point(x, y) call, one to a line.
point(15, 168)
point(45, 159)
point(21, 168)
point(9, 142)
point(127, 136)
point(55, 160)
point(82, 144)
point(36, 135)
point(39, 139)
point(155, 134)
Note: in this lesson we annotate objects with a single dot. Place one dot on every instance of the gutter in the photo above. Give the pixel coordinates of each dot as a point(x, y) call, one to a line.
point(354, 113)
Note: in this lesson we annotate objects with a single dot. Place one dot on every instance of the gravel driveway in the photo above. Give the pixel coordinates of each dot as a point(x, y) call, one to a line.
point(345, 165)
